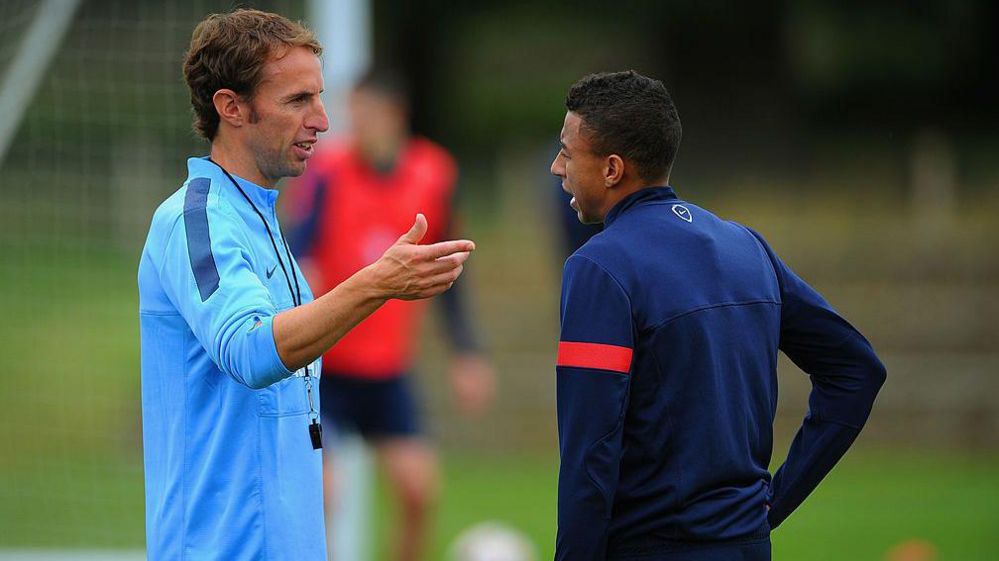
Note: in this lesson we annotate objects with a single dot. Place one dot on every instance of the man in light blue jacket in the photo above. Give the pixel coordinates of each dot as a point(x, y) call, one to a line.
point(231, 335)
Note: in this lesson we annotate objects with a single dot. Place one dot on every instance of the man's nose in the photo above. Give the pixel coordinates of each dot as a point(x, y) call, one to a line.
point(319, 121)
point(556, 167)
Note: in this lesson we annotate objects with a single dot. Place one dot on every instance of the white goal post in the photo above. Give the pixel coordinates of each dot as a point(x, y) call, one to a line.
point(28, 65)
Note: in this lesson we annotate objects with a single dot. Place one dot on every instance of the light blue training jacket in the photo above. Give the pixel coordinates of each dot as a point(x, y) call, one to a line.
point(231, 473)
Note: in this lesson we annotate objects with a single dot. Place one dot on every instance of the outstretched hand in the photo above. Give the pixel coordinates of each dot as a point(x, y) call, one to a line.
point(409, 271)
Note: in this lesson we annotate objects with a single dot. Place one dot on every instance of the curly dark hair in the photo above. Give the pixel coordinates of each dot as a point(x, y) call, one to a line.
point(229, 51)
point(631, 115)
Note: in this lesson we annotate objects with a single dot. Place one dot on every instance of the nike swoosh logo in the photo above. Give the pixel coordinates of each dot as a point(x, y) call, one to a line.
point(271, 272)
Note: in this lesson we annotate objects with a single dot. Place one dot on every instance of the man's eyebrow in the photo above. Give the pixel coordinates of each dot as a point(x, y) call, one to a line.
point(300, 94)
point(564, 147)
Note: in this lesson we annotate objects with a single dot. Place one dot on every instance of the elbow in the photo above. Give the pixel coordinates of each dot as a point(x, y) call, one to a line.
point(257, 375)
point(256, 382)
point(868, 384)
point(869, 372)
point(878, 375)
point(257, 378)
point(251, 361)
point(244, 371)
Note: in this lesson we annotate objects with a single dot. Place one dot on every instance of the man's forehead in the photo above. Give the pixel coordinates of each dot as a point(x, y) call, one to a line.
point(292, 63)
point(571, 128)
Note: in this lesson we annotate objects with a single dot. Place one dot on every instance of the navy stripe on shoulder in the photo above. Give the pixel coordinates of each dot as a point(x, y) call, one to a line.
point(199, 240)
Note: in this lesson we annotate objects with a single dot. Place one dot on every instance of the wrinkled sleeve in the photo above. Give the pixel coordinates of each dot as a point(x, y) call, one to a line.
point(593, 380)
point(206, 273)
point(846, 376)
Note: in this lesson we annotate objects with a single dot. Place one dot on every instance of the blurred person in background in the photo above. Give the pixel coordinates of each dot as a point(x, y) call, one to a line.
point(358, 191)
point(671, 323)
point(230, 334)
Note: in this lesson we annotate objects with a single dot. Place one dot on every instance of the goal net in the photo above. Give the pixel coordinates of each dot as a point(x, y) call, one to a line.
point(100, 132)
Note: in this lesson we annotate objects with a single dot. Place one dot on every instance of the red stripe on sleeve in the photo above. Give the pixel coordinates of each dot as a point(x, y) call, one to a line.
point(594, 355)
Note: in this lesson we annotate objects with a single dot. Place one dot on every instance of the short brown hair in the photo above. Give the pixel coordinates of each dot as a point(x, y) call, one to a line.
point(229, 51)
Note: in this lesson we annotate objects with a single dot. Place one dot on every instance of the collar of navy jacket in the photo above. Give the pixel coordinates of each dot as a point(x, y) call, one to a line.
point(642, 196)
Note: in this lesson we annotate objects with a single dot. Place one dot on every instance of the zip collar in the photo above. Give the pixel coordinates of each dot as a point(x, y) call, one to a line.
point(645, 195)
point(263, 197)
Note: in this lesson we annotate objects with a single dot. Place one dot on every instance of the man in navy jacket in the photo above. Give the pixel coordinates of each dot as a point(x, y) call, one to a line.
point(667, 361)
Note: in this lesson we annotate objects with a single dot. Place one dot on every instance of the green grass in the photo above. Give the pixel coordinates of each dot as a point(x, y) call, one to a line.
point(516, 490)
point(870, 503)
point(874, 501)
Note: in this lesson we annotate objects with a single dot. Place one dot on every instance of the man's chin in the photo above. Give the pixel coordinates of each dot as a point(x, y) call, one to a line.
point(295, 169)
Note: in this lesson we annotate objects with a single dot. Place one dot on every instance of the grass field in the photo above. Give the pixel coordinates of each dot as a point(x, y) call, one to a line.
point(873, 501)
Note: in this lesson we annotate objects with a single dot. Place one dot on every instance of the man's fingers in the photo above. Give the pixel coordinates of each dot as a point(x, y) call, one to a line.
point(436, 284)
point(443, 279)
point(442, 249)
point(431, 269)
point(442, 264)
point(416, 233)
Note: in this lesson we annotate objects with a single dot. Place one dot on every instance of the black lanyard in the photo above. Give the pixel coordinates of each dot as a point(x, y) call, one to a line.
point(315, 429)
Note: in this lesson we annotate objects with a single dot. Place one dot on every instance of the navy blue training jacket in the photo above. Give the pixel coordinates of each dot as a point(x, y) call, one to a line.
point(667, 383)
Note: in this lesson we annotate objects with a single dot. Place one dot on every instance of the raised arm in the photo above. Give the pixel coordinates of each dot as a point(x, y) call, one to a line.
point(406, 271)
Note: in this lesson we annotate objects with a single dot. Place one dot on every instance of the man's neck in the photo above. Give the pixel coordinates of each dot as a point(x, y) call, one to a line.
point(239, 162)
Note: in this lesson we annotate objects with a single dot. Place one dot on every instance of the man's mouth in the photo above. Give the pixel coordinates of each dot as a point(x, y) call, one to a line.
point(304, 148)
point(572, 201)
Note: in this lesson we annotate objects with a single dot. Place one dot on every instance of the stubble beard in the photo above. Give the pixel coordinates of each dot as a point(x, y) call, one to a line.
point(275, 163)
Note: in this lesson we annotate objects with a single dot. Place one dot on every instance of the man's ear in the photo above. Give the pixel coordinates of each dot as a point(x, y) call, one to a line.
point(228, 107)
point(613, 170)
